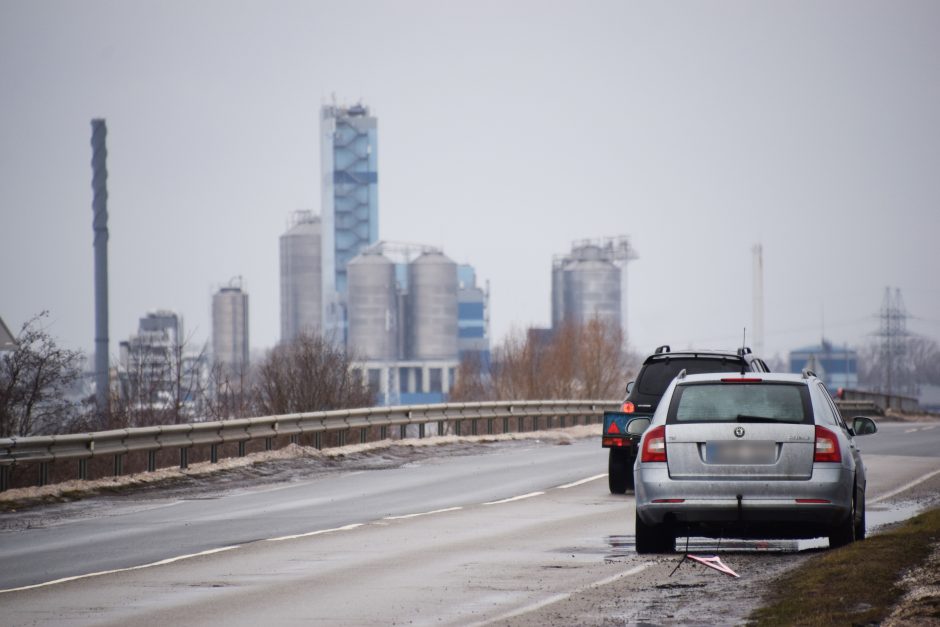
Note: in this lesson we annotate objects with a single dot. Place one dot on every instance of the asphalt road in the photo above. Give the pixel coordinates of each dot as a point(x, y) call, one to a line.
point(450, 540)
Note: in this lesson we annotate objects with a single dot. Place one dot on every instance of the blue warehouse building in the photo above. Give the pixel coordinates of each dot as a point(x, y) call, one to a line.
point(837, 367)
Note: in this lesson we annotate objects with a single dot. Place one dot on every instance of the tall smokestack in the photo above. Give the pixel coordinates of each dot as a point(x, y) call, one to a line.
point(758, 322)
point(99, 185)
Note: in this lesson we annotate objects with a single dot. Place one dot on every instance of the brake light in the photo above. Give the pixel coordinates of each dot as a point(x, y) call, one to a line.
point(827, 446)
point(813, 501)
point(741, 380)
point(654, 445)
point(628, 407)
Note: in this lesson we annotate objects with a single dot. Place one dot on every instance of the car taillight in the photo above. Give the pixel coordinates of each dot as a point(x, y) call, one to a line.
point(654, 445)
point(628, 407)
point(827, 446)
point(741, 380)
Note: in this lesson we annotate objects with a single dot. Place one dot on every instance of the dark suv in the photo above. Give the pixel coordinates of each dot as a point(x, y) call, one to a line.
point(622, 430)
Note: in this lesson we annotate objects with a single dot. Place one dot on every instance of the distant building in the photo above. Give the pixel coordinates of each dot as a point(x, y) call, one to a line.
point(301, 277)
point(412, 313)
point(349, 187)
point(588, 282)
point(156, 365)
point(837, 367)
point(472, 317)
point(230, 327)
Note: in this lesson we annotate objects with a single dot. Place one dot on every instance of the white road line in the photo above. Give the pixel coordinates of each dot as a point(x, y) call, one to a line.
point(436, 511)
point(581, 482)
point(564, 595)
point(319, 532)
point(121, 570)
point(905, 487)
point(911, 430)
point(515, 498)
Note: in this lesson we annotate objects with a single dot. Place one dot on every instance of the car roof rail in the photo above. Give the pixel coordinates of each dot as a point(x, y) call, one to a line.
point(681, 374)
point(807, 373)
point(663, 349)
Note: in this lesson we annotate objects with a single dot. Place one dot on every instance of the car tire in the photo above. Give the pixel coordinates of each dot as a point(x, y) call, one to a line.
point(619, 471)
point(844, 532)
point(654, 538)
point(860, 521)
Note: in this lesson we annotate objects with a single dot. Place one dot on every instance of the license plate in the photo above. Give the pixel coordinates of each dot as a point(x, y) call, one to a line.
point(739, 453)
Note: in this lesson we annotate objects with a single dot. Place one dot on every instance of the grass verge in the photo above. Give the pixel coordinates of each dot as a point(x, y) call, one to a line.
point(855, 585)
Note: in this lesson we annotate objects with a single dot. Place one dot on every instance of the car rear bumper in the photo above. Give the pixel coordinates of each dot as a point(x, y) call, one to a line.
point(793, 509)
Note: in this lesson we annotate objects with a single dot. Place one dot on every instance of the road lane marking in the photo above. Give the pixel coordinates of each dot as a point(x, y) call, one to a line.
point(169, 560)
point(581, 482)
point(905, 487)
point(319, 532)
point(436, 511)
point(911, 430)
point(564, 595)
point(515, 498)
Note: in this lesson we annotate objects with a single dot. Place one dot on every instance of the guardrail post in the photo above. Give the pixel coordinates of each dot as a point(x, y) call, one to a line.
point(83, 469)
point(420, 430)
point(318, 440)
point(4, 478)
point(535, 423)
point(473, 427)
point(43, 473)
point(268, 444)
point(214, 453)
point(342, 438)
point(458, 428)
point(561, 420)
point(184, 458)
point(383, 432)
point(295, 439)
point(151, 461)
point(118, 464)
point(363, 435)
point(241, 448)
point(441, 427)
point(521, 424)
point(489, 426)
point(402, 431)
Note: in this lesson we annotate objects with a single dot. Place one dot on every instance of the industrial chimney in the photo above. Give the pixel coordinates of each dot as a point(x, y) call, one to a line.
point(99, 184)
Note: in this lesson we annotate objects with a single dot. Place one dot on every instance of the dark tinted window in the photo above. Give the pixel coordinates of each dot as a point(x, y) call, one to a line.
point(658, 373)
point(741, 402)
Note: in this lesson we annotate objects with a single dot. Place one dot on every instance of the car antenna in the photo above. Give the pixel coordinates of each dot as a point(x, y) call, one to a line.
point(743, 351)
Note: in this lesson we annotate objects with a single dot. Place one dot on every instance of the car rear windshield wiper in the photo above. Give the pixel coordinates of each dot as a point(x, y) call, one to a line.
point(746, 418)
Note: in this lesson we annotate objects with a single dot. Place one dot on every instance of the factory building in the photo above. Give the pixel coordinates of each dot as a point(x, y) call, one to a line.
point(156, 364)
point(472, 317)
point(301, 277)
point(230, 327)
point(350, 210)
point(405, 333)
point(589, 282)
point(838, 367)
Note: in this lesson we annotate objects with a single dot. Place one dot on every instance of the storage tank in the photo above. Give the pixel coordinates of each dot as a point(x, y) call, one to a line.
point(432, 296)
point(230, 327)
point(372, 307)
point(301, 278)
point(591, 287)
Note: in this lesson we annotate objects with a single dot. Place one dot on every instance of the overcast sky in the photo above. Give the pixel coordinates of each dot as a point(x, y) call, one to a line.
point(506, 130)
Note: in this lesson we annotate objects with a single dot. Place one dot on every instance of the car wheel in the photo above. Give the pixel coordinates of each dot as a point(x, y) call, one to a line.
point(860, 521)
point(619, 471)
point(654, 538)
point(844, 532)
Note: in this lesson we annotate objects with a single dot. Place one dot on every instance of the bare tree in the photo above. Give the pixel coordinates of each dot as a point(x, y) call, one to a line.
point(37, 382)
point(309, 373)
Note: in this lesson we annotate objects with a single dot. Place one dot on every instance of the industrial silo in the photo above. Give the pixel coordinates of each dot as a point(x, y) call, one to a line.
point(230, 327)
point(301, 278)
point(372, 307)
point(591, 287)
point(432, 297)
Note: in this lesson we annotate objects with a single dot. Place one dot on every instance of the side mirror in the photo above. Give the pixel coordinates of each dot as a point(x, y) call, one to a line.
point(637, 426)
point(630, 387)
point(863, 425)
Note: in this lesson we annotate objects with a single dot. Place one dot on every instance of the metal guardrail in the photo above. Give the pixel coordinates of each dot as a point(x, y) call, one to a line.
point(117, 443)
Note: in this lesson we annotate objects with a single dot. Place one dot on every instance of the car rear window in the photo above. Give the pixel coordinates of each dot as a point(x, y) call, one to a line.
point(657, 374)
point(740, 402)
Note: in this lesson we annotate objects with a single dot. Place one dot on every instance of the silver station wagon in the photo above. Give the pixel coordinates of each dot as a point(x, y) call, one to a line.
point(752, 455)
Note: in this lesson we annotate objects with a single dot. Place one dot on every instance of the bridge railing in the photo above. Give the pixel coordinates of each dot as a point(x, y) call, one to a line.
point(234, 436)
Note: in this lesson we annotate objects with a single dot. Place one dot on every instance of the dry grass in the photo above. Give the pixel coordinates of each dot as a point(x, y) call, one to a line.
point(856, 585)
